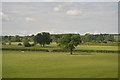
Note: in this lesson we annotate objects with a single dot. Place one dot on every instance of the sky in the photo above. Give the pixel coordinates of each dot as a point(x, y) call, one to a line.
point(60, 0)
point(25, 18)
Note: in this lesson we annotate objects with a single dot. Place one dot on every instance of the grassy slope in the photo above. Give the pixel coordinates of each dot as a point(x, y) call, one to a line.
point(58, 65)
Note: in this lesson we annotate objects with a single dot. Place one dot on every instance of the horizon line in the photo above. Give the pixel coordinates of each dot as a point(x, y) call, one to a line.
point(57, 33)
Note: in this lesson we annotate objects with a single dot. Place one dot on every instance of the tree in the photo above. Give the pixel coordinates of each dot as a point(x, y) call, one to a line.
point(5, 38)
point(16, 38)
point(32, 38)
point(109, 38)
point(69, 41)
point(42, 38)
point(26, 42)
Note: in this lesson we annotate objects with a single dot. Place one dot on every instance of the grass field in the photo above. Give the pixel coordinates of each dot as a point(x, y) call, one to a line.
point(54, 46)
point(17, 64)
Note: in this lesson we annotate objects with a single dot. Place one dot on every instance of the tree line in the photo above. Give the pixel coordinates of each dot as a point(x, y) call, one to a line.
point(66, 41)
point(98, 38)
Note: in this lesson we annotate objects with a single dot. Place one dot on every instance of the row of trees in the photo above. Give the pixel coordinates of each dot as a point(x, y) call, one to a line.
point(41, 38)
point(55, 37)
point(97, 38)
point(100, 38)
point(66, 41)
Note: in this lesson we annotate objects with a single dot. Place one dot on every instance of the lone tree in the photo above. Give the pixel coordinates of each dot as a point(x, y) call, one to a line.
point(69, 42)
point(26, 42)
point(42, 38)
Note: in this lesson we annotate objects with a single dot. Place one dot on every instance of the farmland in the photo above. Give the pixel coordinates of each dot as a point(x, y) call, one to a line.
point(42, 64)
point(17, 64)
point(54, 46)
point(59, 39)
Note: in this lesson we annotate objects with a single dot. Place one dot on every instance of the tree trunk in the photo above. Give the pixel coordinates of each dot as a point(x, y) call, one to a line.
point(71, 51)
point(43, 45)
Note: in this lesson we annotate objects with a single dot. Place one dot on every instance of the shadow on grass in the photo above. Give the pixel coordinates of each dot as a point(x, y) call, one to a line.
point(50, 47)
point(83, 54)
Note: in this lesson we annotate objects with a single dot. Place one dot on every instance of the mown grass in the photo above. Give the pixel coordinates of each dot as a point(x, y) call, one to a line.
point(17, 64)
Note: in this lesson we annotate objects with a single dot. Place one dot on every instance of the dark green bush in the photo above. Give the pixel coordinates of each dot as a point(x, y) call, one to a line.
point(23, 49)
point(26, 43)
point(3, 43)
point(19, 44)
point(10, 43)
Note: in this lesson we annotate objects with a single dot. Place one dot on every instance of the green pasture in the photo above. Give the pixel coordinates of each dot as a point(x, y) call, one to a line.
point(19, 64)
point(54, 46)
point(38, 64)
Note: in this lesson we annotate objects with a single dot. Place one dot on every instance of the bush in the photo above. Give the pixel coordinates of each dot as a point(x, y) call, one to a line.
point(3, 43)
point(19, 44)
point(9, 43)
point(24, 49)
point(26, 43)
point(33, 44)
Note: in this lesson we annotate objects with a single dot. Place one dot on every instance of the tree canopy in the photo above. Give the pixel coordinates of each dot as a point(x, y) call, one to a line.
point(26, 42)
point(69, 41)
point(42, 38)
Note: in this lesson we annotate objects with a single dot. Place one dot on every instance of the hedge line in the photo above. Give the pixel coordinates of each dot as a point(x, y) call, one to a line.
point(102, 44)
point(61, 50)
point(15, 49)
point(98, 51)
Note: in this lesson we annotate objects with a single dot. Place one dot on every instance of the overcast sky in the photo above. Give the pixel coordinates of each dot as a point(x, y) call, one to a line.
point(24, 18)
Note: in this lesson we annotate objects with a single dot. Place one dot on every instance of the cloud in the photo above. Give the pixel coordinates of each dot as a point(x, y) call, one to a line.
point(60, 0)
point(5, 17)
point(29, 19)
point(56, 9)
point(61, 6)
point(1, 13)
point(73, 12)
point(73, 17)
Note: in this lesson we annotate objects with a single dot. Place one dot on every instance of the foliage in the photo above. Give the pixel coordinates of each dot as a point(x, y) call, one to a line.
point(69, 41)
point(16, 38)
point(92, 38)
point(19, 44)
point(99, 38)
point(55, 37)
point(26, 42)
point(42, 38)
point(3, 43)
point(10, 43)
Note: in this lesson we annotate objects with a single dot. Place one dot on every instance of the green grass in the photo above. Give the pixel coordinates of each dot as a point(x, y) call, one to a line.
point(95, 47)
point(54, 46)
point(17, 64)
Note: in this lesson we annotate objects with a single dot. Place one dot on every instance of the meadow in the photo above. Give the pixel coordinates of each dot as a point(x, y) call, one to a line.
point(17, 64)
point(41, 64)
point(54, 46)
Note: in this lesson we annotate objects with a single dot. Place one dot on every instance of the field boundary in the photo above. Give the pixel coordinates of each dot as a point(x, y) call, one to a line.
point(61, 50)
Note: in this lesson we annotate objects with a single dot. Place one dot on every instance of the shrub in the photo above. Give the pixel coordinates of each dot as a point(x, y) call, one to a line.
point(3, 43)
point(19, 44)
point(26, 43)
point(9, 43)
point(33, 44)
